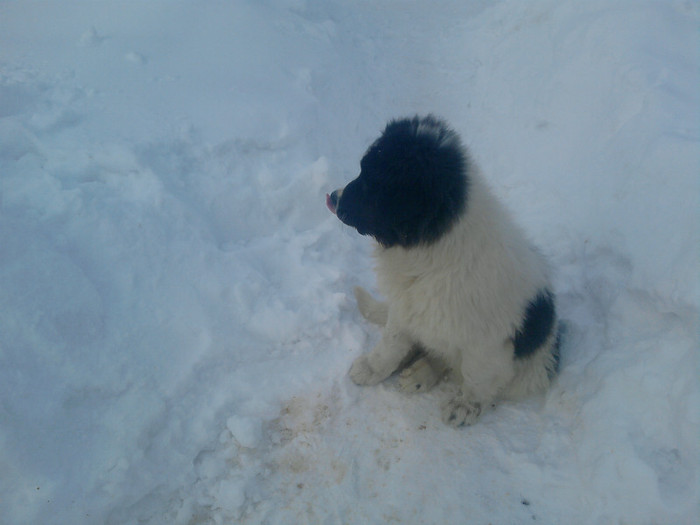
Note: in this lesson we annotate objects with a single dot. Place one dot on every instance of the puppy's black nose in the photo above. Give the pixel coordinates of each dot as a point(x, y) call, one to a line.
point(334, 198)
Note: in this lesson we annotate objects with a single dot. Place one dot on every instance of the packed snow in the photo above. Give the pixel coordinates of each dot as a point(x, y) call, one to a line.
point(176, 310)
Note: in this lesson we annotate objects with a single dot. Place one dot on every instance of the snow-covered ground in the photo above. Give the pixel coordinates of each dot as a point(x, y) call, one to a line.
point(176, 315)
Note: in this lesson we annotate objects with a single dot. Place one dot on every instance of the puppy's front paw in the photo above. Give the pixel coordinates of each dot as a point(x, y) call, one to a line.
point(460, 412)
point(362, 373)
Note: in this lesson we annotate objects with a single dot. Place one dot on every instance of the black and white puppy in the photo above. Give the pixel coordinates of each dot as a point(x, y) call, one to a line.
point(462, 283)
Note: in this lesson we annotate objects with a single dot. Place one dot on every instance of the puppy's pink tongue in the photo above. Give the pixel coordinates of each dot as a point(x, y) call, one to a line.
point(329, 204)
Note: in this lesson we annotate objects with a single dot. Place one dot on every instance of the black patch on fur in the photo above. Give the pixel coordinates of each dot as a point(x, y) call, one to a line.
point(412, 185)
point(537, 325)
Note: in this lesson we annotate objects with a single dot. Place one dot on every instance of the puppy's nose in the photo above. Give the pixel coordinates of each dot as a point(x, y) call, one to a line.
point(332, 200)
point(335, 196)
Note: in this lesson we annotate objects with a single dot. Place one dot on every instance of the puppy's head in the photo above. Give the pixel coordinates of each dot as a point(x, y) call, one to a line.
point(412, 184)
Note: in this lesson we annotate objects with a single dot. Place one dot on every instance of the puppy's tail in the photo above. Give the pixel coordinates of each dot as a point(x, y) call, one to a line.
point(374, 311)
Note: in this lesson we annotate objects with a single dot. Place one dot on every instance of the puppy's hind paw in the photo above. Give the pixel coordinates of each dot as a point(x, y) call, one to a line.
point(421, 376)
point(460, 412)
point(363, 374)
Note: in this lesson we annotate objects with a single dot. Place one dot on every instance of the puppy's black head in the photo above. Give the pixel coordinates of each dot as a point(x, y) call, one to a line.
point(412, 184)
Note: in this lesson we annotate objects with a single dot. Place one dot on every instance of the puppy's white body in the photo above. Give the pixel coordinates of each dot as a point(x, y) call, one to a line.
point(462, 298)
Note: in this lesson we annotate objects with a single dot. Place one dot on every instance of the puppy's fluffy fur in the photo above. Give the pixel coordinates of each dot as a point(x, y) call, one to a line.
point(465, 291)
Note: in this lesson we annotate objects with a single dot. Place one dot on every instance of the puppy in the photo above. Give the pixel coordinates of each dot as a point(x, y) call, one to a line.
point(465, 290)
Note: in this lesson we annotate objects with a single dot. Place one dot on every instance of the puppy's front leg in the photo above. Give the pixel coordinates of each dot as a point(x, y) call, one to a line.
point(374, 311)
point(383, 360)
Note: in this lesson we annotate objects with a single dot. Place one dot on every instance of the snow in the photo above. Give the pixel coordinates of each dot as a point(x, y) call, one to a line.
point(176, 314)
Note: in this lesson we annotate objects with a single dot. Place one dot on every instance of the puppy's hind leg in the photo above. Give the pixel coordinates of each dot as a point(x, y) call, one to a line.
point(484, 376)
point(374, 311)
